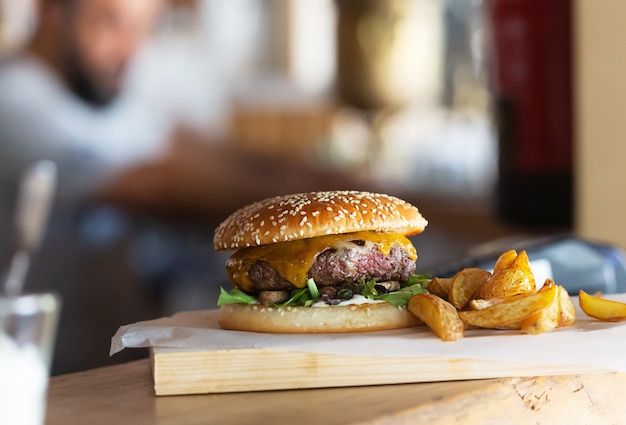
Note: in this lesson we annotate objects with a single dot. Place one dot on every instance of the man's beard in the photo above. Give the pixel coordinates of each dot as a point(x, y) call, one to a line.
point(83, 84)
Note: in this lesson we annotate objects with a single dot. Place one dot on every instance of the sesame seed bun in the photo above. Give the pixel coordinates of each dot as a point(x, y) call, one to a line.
point(332, 319)
point(309, 215)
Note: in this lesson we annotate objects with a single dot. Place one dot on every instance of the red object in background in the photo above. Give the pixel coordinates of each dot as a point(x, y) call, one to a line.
point(532, 84)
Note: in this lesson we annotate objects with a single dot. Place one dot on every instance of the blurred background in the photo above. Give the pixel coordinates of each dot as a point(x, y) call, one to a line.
point(463, 107)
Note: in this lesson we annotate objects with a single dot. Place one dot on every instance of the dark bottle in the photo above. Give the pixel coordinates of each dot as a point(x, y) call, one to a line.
point(532, 86)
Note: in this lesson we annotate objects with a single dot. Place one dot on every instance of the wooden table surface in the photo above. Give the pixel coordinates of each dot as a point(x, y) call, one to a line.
point(123, 394)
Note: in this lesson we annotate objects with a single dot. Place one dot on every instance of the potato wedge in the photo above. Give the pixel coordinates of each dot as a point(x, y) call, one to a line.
point(439, 315)
point(567, 311)
point(545, 320)
point(505, 283)
point(601, 308)
point(561, 313)
point(440, 286)
point(465, 284)
point(505, 260)
point(510, 313)
point(481, 304)
point(522, 263)
point(549, 283)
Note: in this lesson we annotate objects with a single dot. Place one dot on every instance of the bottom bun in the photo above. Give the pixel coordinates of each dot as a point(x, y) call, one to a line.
point(331, 319)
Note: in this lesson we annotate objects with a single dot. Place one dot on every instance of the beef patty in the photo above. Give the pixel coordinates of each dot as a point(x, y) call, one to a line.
point(332, 267)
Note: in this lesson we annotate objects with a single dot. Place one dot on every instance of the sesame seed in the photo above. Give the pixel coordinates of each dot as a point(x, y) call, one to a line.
point(346, 211)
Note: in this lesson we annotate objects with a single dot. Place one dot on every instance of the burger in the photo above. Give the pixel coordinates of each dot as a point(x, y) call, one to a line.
point(337, 261)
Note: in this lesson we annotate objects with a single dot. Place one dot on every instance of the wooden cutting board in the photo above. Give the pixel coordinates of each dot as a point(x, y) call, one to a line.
point(178, 371)
point(413, 355)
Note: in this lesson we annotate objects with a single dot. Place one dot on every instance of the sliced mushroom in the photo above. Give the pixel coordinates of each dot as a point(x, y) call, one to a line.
point(273, 297)
point(390, 286)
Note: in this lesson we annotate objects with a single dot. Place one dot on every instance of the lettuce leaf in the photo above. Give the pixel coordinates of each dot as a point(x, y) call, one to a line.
point(300, 296)
point(416, 284)
point(234, 297)
point(306, 296)
point(315, 293)
point(420, 279)
point(369, 289)
point(401, 297)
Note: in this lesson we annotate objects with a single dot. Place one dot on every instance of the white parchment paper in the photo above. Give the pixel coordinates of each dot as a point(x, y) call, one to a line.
point(588, 342)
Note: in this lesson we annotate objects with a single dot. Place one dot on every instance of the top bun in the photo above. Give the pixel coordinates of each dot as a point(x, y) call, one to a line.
point(309, 215)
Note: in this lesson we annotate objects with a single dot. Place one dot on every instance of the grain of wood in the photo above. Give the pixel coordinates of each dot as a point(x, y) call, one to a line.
point(124, 394)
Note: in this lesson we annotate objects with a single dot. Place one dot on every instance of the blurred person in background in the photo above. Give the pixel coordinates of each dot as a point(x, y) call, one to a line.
point(63, 98)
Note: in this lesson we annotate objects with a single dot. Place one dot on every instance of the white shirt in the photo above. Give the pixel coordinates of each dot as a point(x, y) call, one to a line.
point(41, 119)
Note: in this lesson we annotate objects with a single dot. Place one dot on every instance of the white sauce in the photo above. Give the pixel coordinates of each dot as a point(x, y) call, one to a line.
point(355, 300)
point(364, 249)
point(23, 382)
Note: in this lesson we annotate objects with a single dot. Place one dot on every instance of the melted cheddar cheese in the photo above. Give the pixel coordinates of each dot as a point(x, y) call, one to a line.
point(292, 260)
